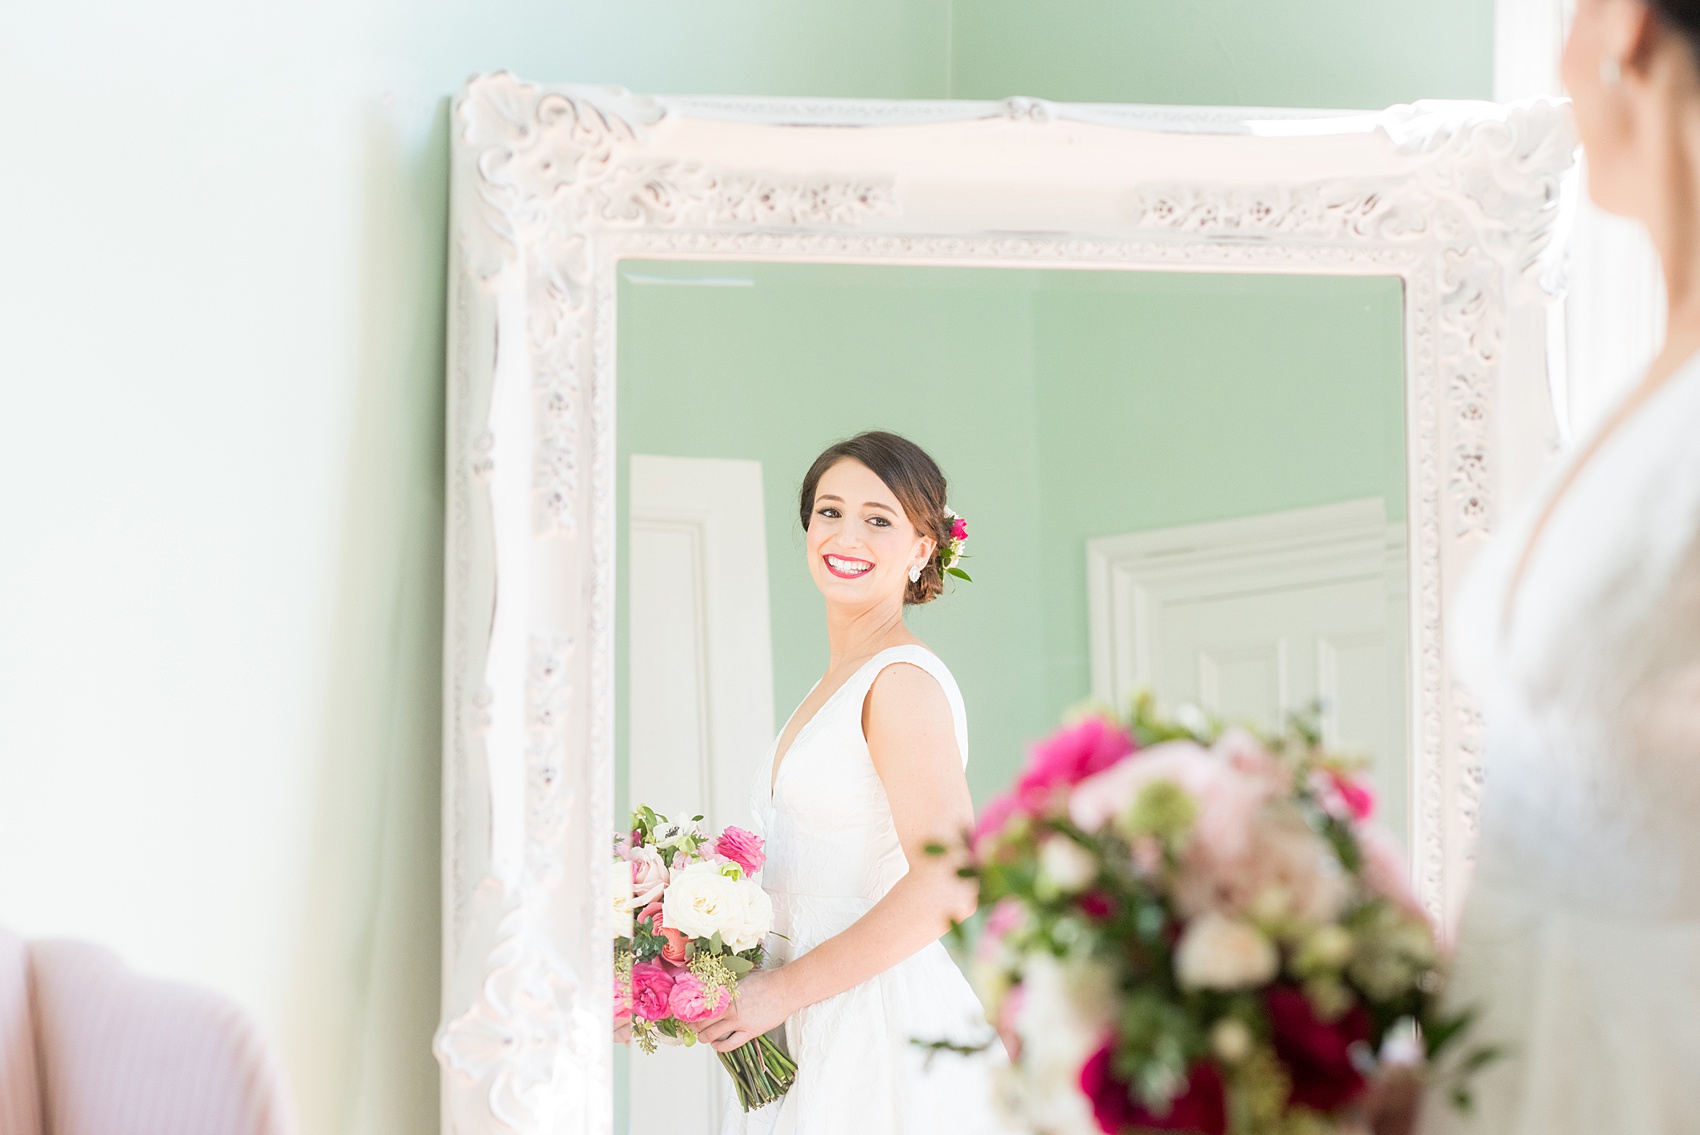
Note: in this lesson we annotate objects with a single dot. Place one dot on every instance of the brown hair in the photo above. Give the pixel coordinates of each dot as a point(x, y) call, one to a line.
point(912, 476)
point(1683, 15)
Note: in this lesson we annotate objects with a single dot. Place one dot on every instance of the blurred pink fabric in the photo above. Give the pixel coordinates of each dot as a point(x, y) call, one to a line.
point(88, 1047)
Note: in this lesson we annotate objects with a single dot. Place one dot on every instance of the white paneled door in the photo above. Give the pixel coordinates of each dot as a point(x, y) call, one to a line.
point(699, 696)
point(1254, 619)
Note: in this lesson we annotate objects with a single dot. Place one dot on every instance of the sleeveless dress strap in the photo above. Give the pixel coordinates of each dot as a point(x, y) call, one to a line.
point(925, 659)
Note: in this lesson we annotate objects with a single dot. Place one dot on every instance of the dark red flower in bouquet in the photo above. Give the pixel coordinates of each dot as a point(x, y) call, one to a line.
point(1099, 906)
point(1202, 1108)
point(1315, 1052)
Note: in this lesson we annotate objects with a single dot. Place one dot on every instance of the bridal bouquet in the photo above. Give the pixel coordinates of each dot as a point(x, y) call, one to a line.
point(691, 922)
point(1196, 929)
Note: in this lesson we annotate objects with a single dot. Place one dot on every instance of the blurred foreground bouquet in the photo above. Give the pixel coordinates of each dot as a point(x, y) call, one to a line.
point(689, 922)
point(1196, 929)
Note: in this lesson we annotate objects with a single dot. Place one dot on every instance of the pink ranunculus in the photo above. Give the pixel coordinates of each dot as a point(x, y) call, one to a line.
point(1069, 757)
point(649, 875)
point(691, 1003)
point(652, 985)
point(959, 529)
point(674, 951)
point(743, 848)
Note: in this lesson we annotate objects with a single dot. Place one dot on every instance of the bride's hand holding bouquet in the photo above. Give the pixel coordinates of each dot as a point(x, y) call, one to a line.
point(691, 922)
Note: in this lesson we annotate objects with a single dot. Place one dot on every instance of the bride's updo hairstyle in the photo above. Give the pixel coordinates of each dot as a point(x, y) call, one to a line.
point(912, 476)
point(1682, 15)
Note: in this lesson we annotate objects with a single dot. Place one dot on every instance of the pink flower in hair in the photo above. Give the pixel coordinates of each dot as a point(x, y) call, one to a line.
point(743, 848)
point(958, 529)
point(691, 1002)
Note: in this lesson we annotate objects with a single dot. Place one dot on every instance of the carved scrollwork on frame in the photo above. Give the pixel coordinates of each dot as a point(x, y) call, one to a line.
point(554, 186)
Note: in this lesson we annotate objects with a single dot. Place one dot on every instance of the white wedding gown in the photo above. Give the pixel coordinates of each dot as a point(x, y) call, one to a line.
point(832, 852)
point(1581, 934)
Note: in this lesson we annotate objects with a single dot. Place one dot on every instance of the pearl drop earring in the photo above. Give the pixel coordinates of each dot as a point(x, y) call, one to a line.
point(1611, 72)
point(915, 574)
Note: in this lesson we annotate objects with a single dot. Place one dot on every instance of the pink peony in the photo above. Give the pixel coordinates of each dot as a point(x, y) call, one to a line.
point(652, 986)
point(690, 1001)
point(743, 848)
point(1068, 757)
point(1059, 762)
point(674, 951)
point(958, 529)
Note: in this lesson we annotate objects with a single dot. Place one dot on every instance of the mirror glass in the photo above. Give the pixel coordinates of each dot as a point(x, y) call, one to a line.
point(1192, 482)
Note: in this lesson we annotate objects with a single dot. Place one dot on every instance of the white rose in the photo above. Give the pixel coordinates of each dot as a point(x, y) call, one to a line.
point(703, 901)
point(1217, 952)
point(648, 876)
point(620, 890)
point(1066, 866)
point(1065, 1008)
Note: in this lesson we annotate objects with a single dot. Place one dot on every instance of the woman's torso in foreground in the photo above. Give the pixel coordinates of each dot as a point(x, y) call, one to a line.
point(832, 853)
point(1581, 935)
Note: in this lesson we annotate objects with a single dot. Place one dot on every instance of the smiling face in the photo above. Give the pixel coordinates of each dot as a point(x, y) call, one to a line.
point(861, 543)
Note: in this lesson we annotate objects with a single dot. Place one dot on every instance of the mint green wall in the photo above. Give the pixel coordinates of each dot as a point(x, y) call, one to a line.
point(1179, 399)
point(1341, 53)
point(1061, 405)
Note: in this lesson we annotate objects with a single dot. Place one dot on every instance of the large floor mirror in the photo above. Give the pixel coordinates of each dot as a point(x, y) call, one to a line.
point(1228, 397)
point(1248, 429)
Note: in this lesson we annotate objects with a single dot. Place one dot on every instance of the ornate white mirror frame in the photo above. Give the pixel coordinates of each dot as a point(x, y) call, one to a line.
point(553, 186)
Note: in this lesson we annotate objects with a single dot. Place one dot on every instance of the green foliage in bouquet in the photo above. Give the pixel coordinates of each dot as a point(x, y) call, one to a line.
point(691, 924)
point(1195, 928)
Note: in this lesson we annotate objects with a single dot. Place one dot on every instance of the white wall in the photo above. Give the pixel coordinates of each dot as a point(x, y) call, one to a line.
point(221, 266)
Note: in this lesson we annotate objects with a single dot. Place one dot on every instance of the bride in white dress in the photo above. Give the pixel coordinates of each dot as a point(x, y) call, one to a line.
point(866, 774)
point(1579, 633)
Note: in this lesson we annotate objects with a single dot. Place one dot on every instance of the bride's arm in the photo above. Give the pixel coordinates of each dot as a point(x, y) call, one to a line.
point(912, 739)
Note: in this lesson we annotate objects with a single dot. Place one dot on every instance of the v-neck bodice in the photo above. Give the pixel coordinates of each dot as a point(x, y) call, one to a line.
point(832, 853)
point(826, 820)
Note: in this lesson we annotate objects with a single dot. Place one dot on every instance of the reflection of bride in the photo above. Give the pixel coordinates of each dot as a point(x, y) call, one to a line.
point(866, 773)
point(1581, 632)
